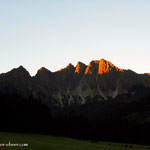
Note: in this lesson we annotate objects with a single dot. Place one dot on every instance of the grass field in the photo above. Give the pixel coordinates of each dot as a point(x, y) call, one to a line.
point(42, 142)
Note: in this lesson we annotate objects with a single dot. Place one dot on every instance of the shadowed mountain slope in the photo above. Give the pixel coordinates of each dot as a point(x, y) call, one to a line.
point(100, 80)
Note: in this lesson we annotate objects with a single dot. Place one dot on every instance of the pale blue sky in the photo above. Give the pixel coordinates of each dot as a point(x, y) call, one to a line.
point(54, 33)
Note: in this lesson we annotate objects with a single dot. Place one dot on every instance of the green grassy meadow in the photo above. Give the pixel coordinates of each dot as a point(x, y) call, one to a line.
point(43, 142)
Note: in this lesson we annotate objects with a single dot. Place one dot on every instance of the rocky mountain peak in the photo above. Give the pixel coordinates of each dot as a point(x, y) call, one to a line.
point(105, 66)
point(101, 67)
point(20, 71)
point(70, 67)
point(92, 67)
point(18, 79)
point(80, 68)
point(21, 67)
point(43, 69)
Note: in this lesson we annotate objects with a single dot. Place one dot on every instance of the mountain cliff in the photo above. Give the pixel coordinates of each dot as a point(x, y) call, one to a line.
point(100, 80)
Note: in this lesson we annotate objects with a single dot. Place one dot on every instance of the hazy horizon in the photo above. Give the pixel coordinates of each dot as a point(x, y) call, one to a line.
point(54, 33)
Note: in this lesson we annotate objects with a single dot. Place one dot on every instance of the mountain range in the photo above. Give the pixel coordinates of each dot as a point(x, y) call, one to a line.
point(100, 80)
point(98, 102)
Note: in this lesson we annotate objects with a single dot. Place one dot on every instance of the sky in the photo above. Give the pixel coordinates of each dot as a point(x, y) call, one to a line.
point(54, 33)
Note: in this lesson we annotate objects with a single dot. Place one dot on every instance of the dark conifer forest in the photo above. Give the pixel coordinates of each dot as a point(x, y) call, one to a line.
point(123, 119)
